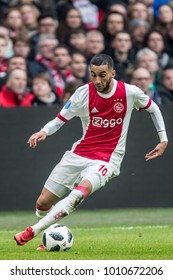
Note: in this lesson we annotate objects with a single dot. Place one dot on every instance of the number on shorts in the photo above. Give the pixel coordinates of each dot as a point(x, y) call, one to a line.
point(103, 170)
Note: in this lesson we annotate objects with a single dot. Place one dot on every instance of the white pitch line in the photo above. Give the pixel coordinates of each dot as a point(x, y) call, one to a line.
point(123, 228)
point(105, 228)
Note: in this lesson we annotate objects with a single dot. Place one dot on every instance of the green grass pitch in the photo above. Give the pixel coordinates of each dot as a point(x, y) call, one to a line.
point(116, 234)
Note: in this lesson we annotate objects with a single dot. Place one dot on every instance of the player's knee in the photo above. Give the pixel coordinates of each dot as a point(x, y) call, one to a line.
point(42, 210)
point(77, 196)
point(43, 203)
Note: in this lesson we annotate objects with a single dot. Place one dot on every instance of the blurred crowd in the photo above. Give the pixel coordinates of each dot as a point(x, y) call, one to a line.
point(46, 47)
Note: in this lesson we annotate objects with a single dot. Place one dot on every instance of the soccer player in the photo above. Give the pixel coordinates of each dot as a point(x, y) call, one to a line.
point(104, 106)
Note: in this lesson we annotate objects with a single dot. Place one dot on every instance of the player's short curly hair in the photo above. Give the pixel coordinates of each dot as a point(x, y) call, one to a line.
point(102, 59)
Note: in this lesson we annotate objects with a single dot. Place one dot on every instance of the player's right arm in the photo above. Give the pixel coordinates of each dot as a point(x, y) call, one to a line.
point(50, 128)
point(36, 137)
point(71, 109)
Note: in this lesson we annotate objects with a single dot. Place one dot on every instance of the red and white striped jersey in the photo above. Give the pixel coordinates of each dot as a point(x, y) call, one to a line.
point(105, 118)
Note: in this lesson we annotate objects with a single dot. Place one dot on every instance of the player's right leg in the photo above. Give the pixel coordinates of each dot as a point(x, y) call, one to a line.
point(72, 170)
point(60, 210)
point(45, 202)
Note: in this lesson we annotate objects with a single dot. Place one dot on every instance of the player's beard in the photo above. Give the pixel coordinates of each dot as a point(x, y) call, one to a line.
point(106, 88)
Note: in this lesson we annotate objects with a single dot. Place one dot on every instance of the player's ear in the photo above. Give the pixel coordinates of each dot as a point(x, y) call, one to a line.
point(113, 73)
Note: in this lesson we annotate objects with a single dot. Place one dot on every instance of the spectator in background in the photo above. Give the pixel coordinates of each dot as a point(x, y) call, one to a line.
point(47, 24)
point(13, 93)
point(142, 78)
point(14, 62)
point(22, 47)
point(121, 54)
point(118, 6)
point(36, 3)
point(45, 49)
point(94, 44)
point(111, 24)
point(30, 16)
point(4, 32)
point(76, 40)
point(43, 91)
point(150, 6)
point(4, 4)
point(138, 29)
point(62, 7)
point(3, 62)
point(157, 4)
point(165, 17)
point(89, 13)
point(79, 67)
point(13, 21)
point(169, 38)
point(61, 72)
point(46, 6)
point(139, 10)
point(70, 89)
point(148, 59)
point(156, 42)
point(165, 88)
point(70, 20)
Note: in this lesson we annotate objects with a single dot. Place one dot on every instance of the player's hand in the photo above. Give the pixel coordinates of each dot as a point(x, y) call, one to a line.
point(158, 151)
point(36, 137)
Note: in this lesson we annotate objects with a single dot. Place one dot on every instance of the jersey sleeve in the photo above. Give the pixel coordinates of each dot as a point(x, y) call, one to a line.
point(52, 126)
point(157, 117)
point(74, 105)
point(142, 100)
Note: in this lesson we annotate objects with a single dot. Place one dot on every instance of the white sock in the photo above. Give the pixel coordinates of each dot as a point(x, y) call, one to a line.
point(61, 209)
point(41, 213)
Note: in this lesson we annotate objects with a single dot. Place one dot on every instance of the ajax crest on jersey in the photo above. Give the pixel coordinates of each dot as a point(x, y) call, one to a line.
point(57, 238)
point(118, 107)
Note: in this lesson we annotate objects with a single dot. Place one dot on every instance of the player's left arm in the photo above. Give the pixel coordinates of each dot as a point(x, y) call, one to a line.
point(158, 121)
point(143, 102)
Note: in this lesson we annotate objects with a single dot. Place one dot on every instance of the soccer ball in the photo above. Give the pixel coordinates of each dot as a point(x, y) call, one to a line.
point(57, 238)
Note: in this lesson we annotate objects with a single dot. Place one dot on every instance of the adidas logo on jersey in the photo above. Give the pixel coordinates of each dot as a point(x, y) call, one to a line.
point(94, 110)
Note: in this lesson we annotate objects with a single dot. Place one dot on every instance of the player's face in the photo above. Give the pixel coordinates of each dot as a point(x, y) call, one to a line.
point(102, 76)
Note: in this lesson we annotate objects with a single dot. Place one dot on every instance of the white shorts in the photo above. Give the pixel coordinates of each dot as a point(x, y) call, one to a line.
point(72, 169)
